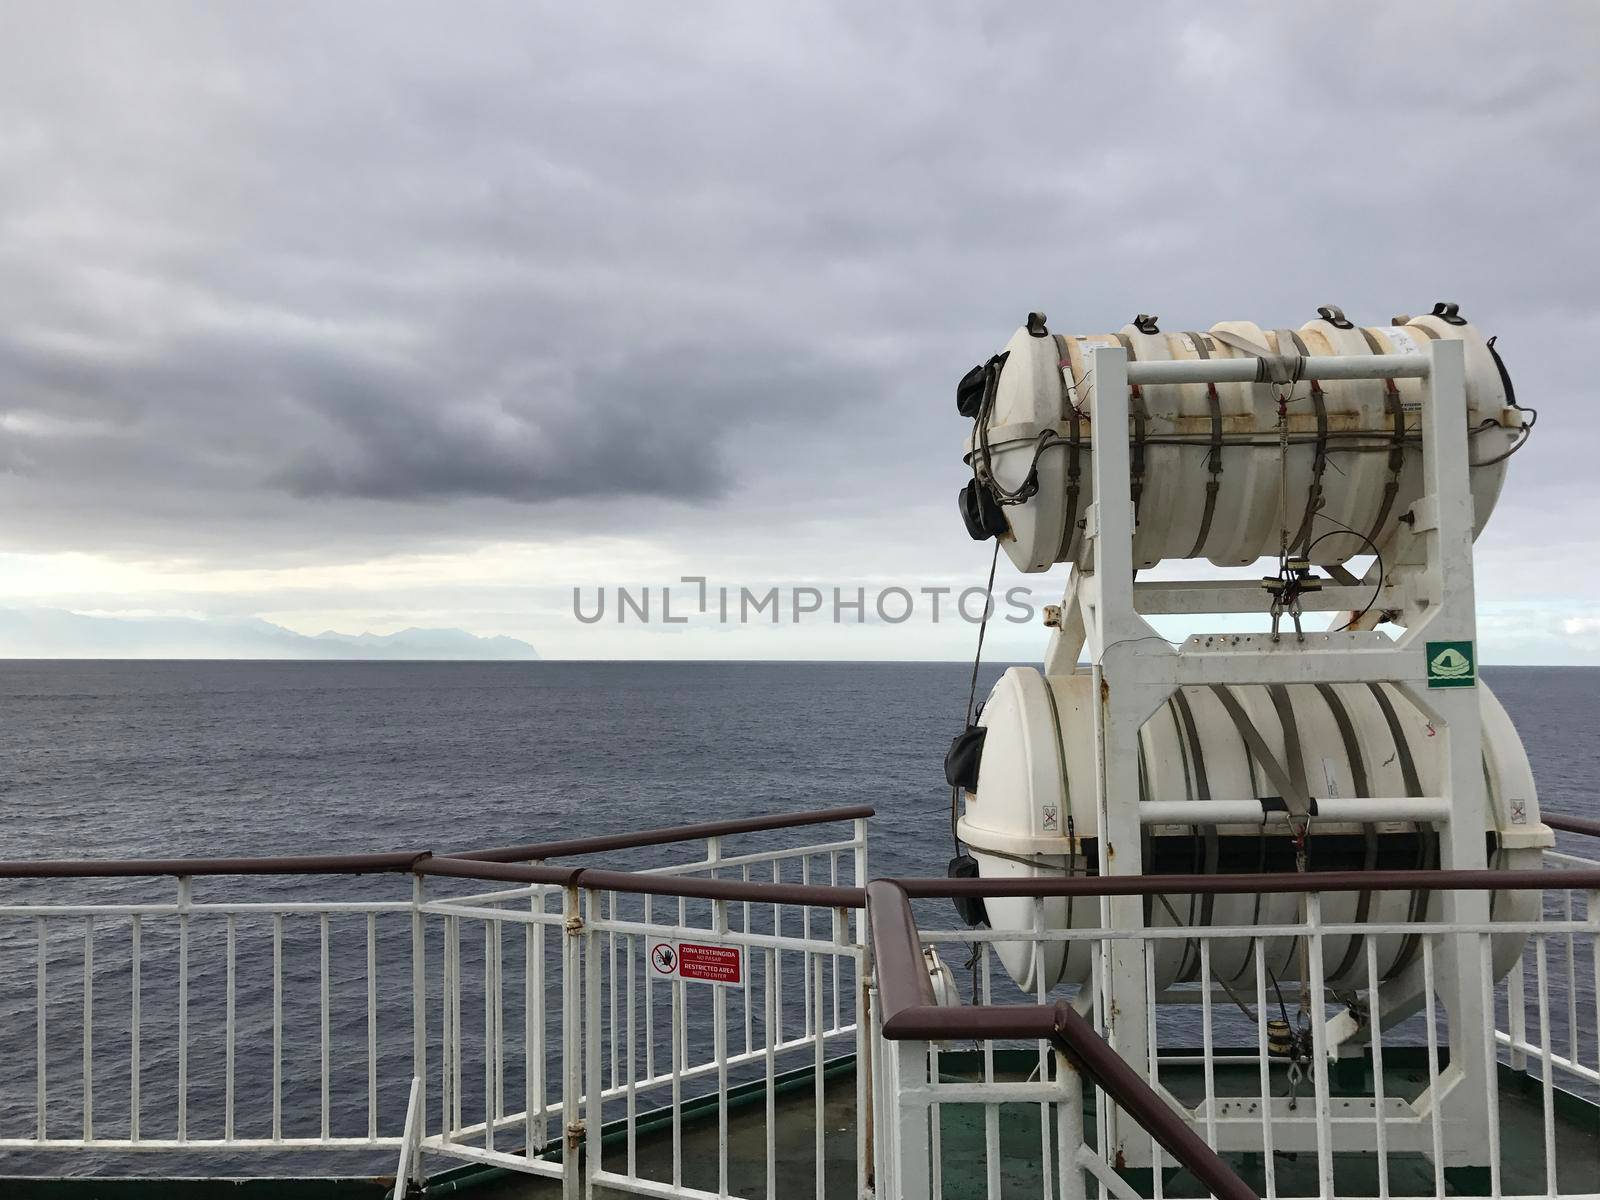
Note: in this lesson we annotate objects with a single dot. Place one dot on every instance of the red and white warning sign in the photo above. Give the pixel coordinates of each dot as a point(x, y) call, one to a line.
point(698, 962)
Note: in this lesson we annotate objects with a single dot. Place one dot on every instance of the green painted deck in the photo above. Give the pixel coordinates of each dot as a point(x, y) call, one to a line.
point(963, 1155)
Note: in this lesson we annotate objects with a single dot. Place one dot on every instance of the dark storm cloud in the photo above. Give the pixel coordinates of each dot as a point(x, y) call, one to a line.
point(347, 278)
point(650, 425)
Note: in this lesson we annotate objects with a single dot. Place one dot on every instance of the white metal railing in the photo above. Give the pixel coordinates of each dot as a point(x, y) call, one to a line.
point(528, 1025)
point(499, 1022)
point(144, 1014)
point(1393, 1131)
point(638, 1043)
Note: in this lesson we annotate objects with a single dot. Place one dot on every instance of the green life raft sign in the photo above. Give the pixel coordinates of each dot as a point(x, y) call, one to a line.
point(1451, 664)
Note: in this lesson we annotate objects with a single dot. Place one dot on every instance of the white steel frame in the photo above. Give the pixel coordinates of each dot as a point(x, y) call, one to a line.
point(1135, 670)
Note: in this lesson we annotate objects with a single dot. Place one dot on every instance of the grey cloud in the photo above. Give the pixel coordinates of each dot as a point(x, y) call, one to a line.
point(651, 424)
point(358, 278)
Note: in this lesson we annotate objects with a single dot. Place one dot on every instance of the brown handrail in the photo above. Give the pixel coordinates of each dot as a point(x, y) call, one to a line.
point(909, 1013)
point(1264, 883)
point(1094, 1057)
point(503, 864)
point(297, 864)
point(755, 891)
point(604, 842)
point(1570, 824)
point(407, 860)
point(644, 883)
point(460, 868)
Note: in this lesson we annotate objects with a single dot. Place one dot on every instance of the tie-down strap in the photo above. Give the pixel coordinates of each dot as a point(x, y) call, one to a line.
point(1291, 783)
point(1214, 459)
point(1319, 461)
point(1270, 367)
point(1069, 524)
point(1140, 416)
point(1397, 446)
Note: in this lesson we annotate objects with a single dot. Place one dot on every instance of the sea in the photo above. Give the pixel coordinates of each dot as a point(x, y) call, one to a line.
point(137, 759)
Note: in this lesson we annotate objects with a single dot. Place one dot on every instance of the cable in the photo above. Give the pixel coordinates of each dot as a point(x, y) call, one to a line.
point(1232, 995)
point(1376, 554)
point(972, 690)
point(987, 477)
point(983, 627)
point(1149, 637)
point(1527, 431)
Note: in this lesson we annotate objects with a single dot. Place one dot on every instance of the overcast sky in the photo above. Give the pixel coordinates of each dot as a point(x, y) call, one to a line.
point(365, 316)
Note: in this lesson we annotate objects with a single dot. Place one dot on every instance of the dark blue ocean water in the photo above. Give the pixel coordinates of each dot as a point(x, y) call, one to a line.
point(166, 758)
point(122, 759)
point(126, 759)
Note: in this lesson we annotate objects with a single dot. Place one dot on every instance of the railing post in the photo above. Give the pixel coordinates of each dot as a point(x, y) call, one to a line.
point(185, 901)
point(1069, 1128)
point(571, 1045)
point(406, 1169)
point(419, 998)
point(593, 1119)
point(908, 1072)
point(866, 1094)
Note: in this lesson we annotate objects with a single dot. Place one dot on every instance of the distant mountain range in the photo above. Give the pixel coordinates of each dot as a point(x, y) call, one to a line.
point(57, 633)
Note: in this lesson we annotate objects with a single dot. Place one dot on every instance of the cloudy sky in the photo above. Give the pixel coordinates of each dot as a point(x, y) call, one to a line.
point(364, 316)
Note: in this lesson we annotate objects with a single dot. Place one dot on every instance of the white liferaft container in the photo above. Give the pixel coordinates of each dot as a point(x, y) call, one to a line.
point(1033, 814)
point(1354, 460)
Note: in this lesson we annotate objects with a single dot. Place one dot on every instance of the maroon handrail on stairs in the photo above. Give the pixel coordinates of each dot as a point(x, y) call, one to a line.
point(905, 997)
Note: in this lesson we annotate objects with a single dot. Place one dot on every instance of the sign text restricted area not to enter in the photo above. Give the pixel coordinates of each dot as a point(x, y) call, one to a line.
point(698, 962)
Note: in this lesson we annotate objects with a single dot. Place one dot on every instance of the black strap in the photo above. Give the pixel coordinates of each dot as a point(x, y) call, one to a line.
point(1369, 832)
point(1069, 527)
point(1136, 458)
point(1425, 844)
point(1319, 458)
point(1397, 452)
point(1291, 782)
point(1181, 975)
point(1183, 716)
point(1215, 460)
point(1292, 751)
point(1064, 823)
point(1145, 857)
point(1261, 860)
point(1505, 375)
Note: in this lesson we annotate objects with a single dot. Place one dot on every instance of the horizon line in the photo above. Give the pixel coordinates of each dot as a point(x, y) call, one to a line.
point(544, 661)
